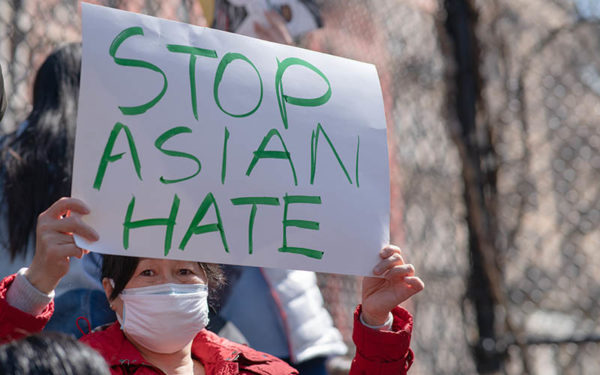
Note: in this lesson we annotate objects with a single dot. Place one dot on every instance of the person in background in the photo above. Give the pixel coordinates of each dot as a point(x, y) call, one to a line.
point(50, 354)
point(295, 326)
point(162, 308)
point(35, 170)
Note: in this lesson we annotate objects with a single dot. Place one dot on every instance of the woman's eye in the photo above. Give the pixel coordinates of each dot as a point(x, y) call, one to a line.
point(147, 273)
point(186, 272)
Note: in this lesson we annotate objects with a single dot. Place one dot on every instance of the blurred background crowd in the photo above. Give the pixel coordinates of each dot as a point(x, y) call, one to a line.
point(494, 140)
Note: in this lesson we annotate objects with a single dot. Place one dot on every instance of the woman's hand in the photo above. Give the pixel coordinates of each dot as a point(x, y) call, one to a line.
point(381, 295)
point(55, 244)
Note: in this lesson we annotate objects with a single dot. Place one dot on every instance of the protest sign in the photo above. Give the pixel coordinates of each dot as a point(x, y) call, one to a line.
point(199, 144)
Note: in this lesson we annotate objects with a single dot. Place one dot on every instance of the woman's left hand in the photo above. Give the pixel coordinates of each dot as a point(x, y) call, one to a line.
point(381, 295)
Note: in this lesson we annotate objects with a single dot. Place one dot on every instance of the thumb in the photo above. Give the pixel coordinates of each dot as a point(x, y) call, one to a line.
point(415, 284)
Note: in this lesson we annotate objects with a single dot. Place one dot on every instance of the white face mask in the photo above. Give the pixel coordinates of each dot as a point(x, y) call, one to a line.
point(164, 318)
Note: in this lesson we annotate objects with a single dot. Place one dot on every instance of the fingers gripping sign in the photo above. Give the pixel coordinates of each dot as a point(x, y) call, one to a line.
point(55, 243)
point(396, 284)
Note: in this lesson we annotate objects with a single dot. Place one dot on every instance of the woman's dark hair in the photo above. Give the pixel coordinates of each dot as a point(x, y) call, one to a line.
point(120, 269)
point(36, 160)
point(50, 354)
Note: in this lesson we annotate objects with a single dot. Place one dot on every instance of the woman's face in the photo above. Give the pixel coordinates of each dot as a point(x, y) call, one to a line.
point(161, 271)
point(158, 271)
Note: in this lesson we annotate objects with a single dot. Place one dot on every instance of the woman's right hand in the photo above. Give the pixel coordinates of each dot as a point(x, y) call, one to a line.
point(55, 244)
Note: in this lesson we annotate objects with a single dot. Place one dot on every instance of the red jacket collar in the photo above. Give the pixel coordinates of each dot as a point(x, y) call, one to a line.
point(218, 355)
point(112, 344)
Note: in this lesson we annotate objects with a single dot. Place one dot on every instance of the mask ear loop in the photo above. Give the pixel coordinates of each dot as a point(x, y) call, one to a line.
point(88, 324)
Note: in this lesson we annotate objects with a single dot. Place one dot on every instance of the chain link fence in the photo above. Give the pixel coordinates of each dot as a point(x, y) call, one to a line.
point(540, 61)
point(494, 145)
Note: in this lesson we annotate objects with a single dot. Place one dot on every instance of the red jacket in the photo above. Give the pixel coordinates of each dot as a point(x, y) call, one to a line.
point(14, 323)
point(218, 355)
point(377, 352)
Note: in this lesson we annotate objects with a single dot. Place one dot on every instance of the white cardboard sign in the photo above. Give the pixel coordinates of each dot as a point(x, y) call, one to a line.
point(199, 144)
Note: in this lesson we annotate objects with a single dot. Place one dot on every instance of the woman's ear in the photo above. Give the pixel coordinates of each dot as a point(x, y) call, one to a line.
point(108, 288)
point(116, 304)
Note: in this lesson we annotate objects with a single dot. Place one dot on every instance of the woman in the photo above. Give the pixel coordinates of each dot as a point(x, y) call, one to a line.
point(161, 308)
point(36, 159)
